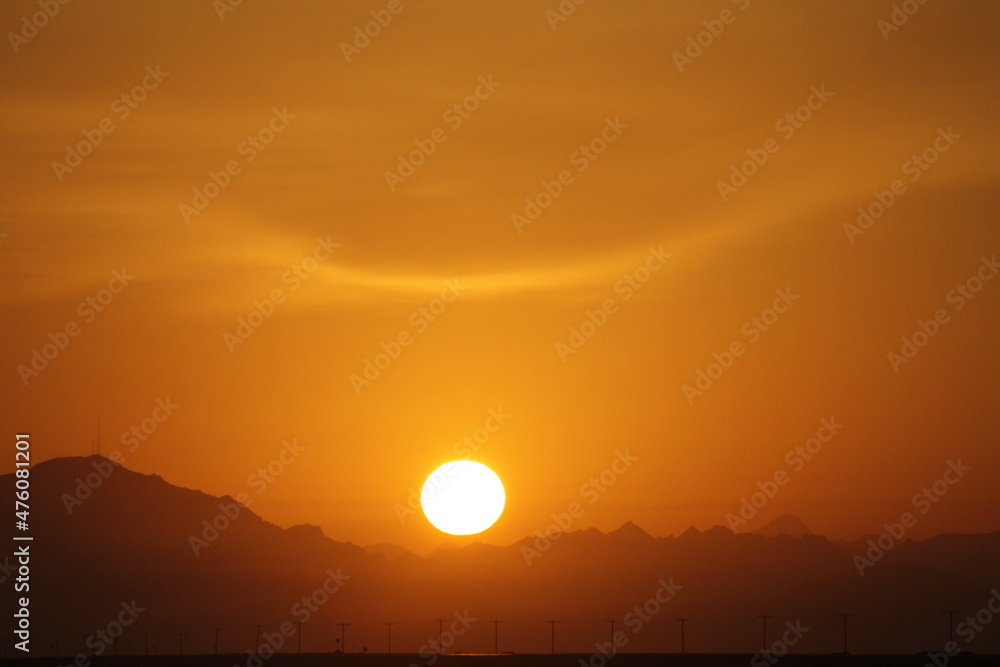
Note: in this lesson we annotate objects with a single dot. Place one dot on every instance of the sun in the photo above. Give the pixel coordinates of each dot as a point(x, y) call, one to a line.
point(463, 498)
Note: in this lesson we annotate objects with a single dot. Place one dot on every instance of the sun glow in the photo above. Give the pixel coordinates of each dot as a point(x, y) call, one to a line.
point(463, 498)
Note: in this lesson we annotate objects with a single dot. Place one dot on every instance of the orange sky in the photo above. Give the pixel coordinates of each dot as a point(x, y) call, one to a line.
point(307, 137)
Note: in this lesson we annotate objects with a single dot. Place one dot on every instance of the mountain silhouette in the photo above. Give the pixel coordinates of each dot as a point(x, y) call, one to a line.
point(195, 561)
point(785, 524)
point(390, 551)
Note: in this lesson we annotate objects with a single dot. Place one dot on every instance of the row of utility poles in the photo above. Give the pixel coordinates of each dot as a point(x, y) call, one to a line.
point(215, 646)
point(682, 620)
point(763, 617)
point(343, 637)
point(496, 634)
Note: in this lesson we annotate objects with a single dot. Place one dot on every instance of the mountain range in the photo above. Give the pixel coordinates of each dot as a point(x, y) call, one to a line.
point(105, 537)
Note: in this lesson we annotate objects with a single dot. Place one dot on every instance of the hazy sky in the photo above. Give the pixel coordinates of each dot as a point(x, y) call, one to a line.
point(641, 136)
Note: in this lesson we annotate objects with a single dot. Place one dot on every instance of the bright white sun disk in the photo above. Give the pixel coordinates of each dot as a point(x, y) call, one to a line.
point(463, 498)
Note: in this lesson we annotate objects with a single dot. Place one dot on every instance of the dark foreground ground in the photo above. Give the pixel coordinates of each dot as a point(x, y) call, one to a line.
point(545, 660)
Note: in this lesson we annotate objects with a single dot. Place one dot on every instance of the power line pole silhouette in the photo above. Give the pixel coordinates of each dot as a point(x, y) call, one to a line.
point(553, 640)
point(764, 617)
point(343, 637)
point(440, 634)
point(496, 636)
point(951, 623)
point(256, 646)
point(216, 640)
point(612, 645)
point(299, 636)
point(682, 620)
point(845, 616)
point(389, 625)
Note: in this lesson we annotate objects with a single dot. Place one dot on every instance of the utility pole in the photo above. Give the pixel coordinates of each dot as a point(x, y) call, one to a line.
point(343, 639)
point(845, 616)
point(390, 624)
point(612, 622)
point(299, 635)
point(682, 620)
point(764, 617)
point(496, 636)
point(553, 641)
point(216, 640)
point(951, 623)
point(256, 646)
point(440, 634)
